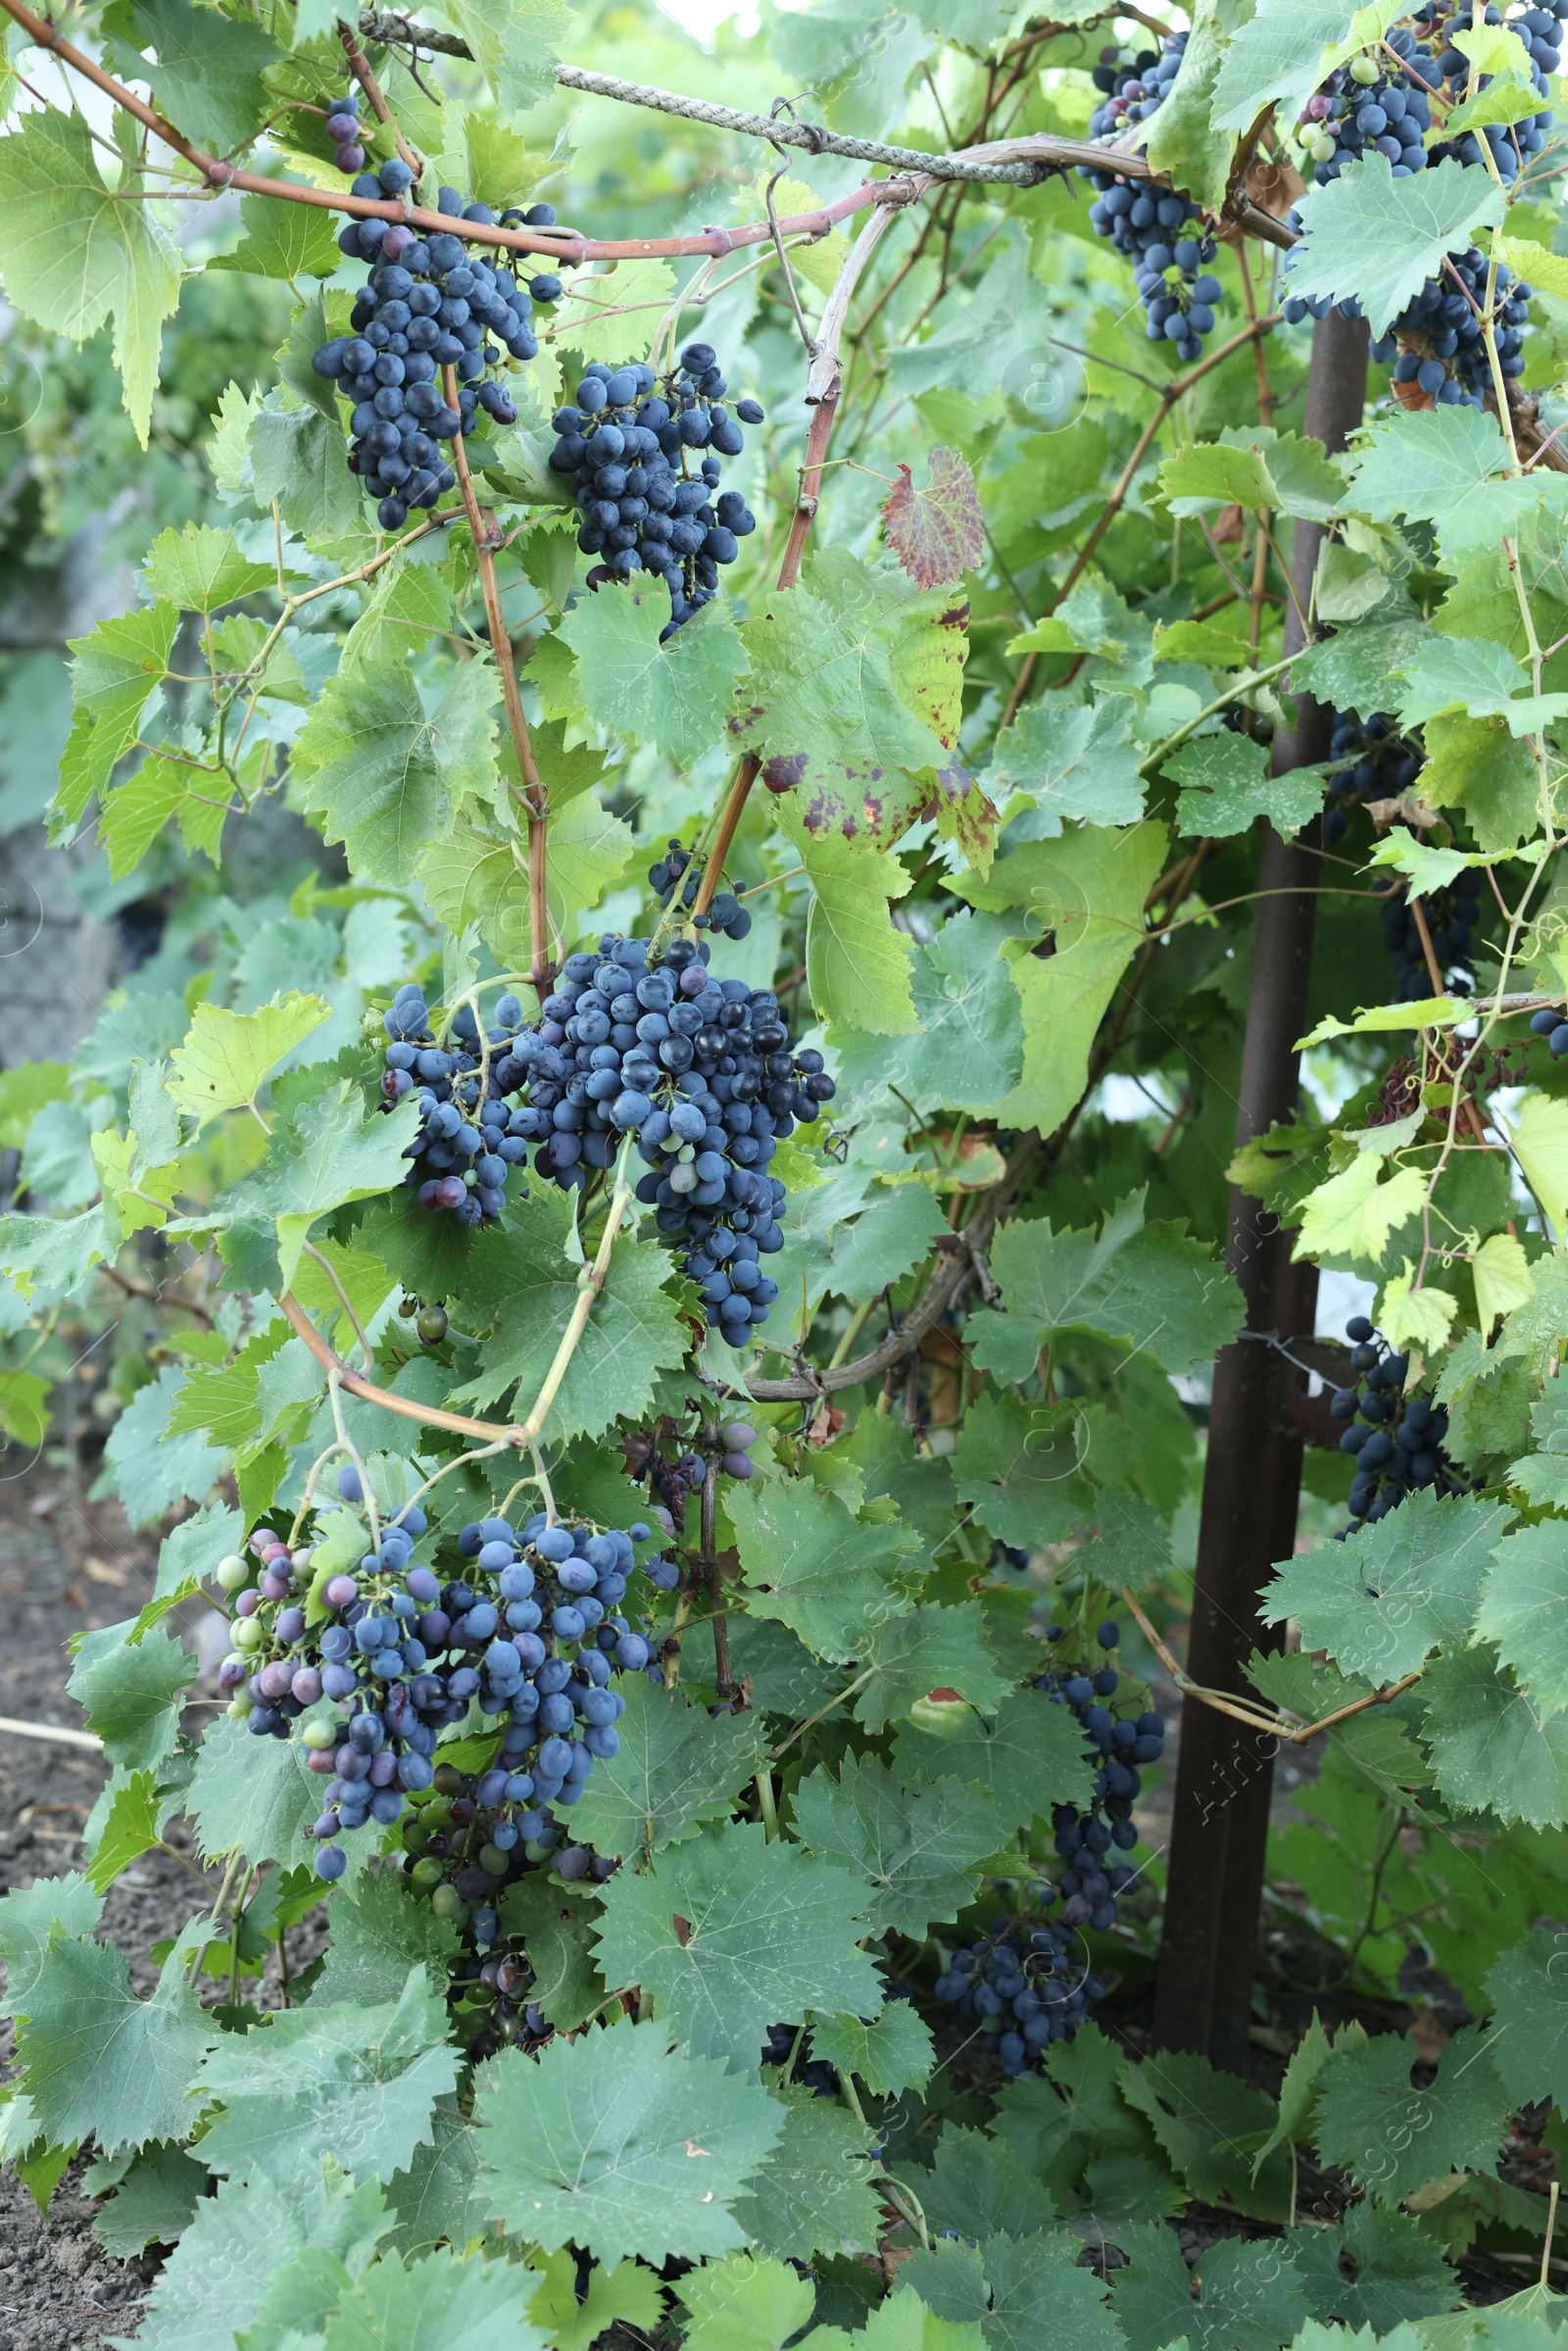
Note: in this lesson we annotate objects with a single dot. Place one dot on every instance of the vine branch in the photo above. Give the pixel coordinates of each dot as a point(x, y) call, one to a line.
point(1276, 1726)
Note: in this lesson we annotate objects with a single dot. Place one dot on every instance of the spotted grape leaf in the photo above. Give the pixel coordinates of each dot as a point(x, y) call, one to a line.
point(937, 533)
point(617, 2140)
point(731, 1934)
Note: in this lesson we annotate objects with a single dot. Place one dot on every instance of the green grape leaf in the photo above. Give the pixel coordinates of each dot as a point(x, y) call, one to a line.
point(28, 1914)
point(909, 1657)
point(747, 2303)
point(917, 1845)
point(112, 673)
point(731, 1935)
point(154, 2204)
point(808, 1562)
point(382, 775)
point(514, 45)
point(99, 2063)
point(1392, 2139)
point(250, 1795)
point(1195, 2113)
point(1036, 2293)
point(557, 1928)
point(1250, 2297)
point(128, 1829)
point(1369, 235)
point(205, 72)
point(1255, 466)
point(1088, 891)
point(991, 336)
point(217, 2279)
point(333, 1153)
point(377, 1929)
point(677, 1767)
point(226, 1056)
point(1377, 2272)
point(969, 1050)
point(434, 2198)
point(360, 2079)
point(630, 2294)
point(296, 457)
point(1284, 51)
point(977, 2185)
point(523, 1291)
point(128, 1693)
point(857, 963)
point(675, 696)
point(1529, 2041)
point(1492, 1750)
point(617, 2140)
point(459, 2303)
point(134, 814)
point(1524, 1609)
point(76, 252)
point(895, 2051)
point(1225, 784)
point(1384, 1599)
point(1442, 465)
point(1029, 1760)
point(1078, 765)
point(1018, 1464)
point(198, 569)
point(813, 2193)
point(282, 240)
point(1140, 1286)
point(153, 1471)
point(897, 1230)
point(586, 850)
point(1181, 138)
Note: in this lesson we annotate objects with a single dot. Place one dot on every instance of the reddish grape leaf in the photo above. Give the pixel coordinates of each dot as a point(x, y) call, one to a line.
point(936, 533)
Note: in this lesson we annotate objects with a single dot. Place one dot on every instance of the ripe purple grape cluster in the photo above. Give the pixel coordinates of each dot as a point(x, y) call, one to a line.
point(429, 303)
point(1157, 229)
point(380, 1657)
point(1375, 763)
point(1034, 1973)
point(1450, 915)
point(725, 912)
point(622, 443)
point(1397, 1440)
point(700, 1073)
point(1436, 345)
point(468, 1141)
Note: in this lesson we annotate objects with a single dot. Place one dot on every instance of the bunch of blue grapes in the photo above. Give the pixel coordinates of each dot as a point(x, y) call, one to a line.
point(1450, 915)
point(529, 1632)
point(626, 445)
point(725, 912)
point(468, 1141)
point(1158, 230)
point(1397, 1440)
point(1436, 346)
point(428, 303)
point(1375, 762)
point(702, 1073)
point(1033, 1973)
point(1552, 1024)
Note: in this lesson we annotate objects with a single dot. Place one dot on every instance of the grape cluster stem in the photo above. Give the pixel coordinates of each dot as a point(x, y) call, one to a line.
point(536, 799)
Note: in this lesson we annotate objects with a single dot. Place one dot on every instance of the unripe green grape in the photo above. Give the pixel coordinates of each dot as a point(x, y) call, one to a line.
point(432, 1325)
point(231, 1573)
point(427, 1872)
point(1365, 71)
point(448, 1903)
point(492, 1861)
point(239, 1705)
point(247, 1632)
point(318, 1733)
